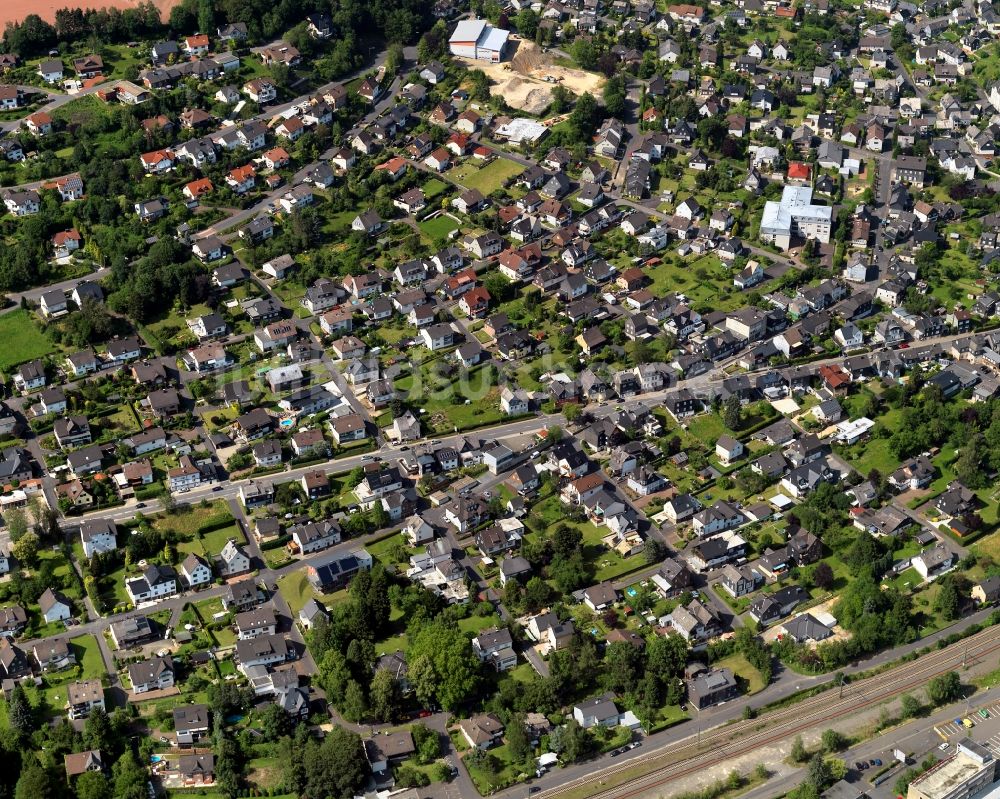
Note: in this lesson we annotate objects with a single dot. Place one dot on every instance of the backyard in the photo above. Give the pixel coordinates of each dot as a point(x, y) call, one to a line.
point(487, 178)
point(439, 227)
point(24, 340)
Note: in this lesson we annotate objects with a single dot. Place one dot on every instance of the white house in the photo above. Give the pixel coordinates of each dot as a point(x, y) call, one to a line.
point(601, 711)
point(98, 535)
point(195, 571)
point(54, 606)
point(156, 582)
point(728, 449)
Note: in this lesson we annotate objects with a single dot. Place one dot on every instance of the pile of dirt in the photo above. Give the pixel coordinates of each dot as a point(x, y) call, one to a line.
point(526, 80)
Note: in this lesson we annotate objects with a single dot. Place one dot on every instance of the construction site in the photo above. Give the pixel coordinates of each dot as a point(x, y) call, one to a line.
point(526, 80)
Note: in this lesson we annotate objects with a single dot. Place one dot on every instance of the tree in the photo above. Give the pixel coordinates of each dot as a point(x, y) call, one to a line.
point(384, 696)
point(129, 777)
point(34, 782)
point(909, 706)
point(566, 540)
point(275, 722)
point(422, 678)
point(409, 777)
point(799, 753)
point(394, 59)
point(292, 750)
point(454, 668)
point(537, 593)
point(969, 466)
point(499, 287)
point(527, 23)
point(427, 743)
point(654, 551)
point(732, 412)
point(944, 688)
point(614, 97)
point(562, 98)
point(336, 767)
point(17, 524)
point(948, 600)
point(516, 735)
point(228, 765)
point(97, 732)
point(572, 411)
point(833, 741)
point(576, 744)
point(584, 53)
point(19, 712)
point(666, 656)
point(583, 119)
point(354, 704)
point(623, 666)
point(228, 698)
point(823, 576)
point(819, 771)
point(26, 548)
point(92, 785)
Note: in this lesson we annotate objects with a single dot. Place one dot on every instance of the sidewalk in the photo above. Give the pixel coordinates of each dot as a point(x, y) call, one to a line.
point(916, 737)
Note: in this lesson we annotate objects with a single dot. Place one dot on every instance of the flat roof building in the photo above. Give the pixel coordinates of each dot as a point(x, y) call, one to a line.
point(795, 215)
point(476, 38)
point(963, 775)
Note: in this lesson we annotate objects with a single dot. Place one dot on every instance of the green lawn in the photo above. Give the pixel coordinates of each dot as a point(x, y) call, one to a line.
point(706, 282)
point(24, 340)
point(435, 186)
point(297, 590)
point(382, 550)
point(438, 227)
point(88, 655)
point(193, 518)
point(667, 717)
point(439, 395)
point(475, 624)
point(741, 667)
point(874, 454)
point(507, 773)
point(214, 541)
point(488, 178)
point(207, 608)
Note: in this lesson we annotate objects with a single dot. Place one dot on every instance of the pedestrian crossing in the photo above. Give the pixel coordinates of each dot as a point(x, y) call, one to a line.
point(957, 727)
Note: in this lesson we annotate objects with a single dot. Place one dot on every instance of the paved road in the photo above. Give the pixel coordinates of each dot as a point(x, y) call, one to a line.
point(265, 575)
point(719, 734)
point(34, 295)
point(704, 386)
point(238, 218)
point(915, 738)
point(57, 101)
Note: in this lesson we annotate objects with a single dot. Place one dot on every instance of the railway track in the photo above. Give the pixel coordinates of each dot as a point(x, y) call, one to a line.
point(686, 757)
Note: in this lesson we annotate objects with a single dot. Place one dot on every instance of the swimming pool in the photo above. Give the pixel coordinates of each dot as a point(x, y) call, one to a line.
point(631, 591)
point(155, 758)
point(287, 422)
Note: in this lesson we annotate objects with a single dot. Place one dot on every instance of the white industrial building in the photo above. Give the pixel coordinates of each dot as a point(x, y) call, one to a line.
point(795, 215)
point(476, 38)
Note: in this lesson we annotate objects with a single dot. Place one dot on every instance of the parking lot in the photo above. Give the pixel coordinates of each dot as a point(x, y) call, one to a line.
point(964, 725)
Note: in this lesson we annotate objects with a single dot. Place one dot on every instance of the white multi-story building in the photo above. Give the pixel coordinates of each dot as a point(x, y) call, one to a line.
point(795, 215)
